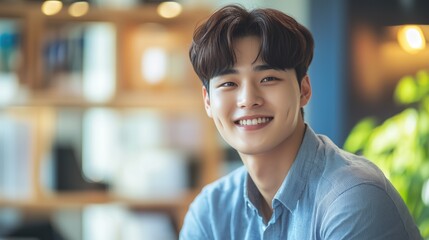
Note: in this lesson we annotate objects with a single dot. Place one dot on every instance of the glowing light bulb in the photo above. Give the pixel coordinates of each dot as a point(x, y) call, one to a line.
point(169, 9)
point(411, 38)
point(51, 7)
point(78, 9)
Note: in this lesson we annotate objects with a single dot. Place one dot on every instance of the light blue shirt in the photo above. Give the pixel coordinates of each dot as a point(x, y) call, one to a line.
point(327, 194)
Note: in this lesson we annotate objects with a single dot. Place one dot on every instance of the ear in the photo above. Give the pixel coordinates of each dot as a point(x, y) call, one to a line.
point(305, 91)
point(206, 98)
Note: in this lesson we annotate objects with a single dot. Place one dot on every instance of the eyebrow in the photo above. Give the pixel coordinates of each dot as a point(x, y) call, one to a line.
point(257, 68)
point(263, 67)
point(226, 72)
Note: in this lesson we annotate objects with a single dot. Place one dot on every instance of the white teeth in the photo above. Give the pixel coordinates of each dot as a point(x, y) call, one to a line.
point(254, 121)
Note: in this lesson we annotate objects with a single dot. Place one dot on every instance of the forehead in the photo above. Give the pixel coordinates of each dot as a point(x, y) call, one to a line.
point(247, 50)
point(247, 58)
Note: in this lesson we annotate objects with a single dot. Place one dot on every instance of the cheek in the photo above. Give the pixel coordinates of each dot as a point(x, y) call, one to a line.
point(287, 98)
point(223, 107)
point(220, 103)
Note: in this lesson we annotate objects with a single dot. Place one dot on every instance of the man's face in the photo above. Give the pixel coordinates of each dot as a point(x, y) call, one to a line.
point(255, 108)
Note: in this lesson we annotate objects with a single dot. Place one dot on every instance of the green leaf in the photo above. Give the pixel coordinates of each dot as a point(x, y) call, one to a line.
point(400, 145)
point(423, 83)
point(406, 91)
point(425, 104)
point(423, 124)
point(359, 135)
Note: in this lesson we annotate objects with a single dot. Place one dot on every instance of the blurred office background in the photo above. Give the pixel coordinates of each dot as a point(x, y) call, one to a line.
point(103, 133)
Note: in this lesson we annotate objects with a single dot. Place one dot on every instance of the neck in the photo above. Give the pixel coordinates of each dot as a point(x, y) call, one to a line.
point(268, 170)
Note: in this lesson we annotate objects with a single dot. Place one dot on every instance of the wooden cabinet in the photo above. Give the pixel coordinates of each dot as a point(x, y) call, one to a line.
point(117, 88)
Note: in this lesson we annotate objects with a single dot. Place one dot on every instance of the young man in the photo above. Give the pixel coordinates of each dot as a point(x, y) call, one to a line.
point(294, 184)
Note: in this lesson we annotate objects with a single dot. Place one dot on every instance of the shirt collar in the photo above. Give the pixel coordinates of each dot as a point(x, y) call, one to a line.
point(251, 193)
point(294, 184)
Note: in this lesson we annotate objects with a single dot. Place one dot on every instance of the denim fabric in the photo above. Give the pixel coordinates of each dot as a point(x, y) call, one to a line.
point(327, 194)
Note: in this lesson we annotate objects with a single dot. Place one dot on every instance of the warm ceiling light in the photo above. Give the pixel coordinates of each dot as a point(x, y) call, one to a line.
point(169, 9)
point(78, 9)
point(411, 38)
point(51, 7)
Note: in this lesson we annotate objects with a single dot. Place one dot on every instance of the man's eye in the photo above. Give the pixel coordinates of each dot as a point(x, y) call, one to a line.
point(268, 79)
point(227, 84)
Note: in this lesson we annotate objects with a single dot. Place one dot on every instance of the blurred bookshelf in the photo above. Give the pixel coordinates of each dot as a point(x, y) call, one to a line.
point(100, 110)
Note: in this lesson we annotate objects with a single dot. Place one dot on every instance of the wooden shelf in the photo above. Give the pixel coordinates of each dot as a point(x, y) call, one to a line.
point(146, 13)
point(164, 99)
point(175, 207)
point(41, 97)
point(81, 199)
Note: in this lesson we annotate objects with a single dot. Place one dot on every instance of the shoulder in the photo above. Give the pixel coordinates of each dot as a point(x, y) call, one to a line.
point(211, 210)
point(353, 195)
point(221, 193)
point(341, 170)
point(367, 212)
point(226, 188)
point(332, 166)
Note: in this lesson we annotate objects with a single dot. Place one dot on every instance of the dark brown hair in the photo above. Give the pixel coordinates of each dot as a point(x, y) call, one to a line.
point(285, 43)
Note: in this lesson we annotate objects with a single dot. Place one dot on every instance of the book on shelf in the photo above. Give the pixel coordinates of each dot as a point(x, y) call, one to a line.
point(10, 59)
point(15, 158)
point(62, 57)
point(79, 59)
point(110, 222)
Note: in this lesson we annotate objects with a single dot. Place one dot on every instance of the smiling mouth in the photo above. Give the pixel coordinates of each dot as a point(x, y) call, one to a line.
point(253, 122)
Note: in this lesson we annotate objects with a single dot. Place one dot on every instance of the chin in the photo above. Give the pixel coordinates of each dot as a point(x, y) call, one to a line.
point(250, 150)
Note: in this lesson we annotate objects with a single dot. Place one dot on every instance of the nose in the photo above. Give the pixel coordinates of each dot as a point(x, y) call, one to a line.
point(249, 96)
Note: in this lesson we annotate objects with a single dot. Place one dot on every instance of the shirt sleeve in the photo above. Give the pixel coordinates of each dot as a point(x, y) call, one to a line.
point(363, 212)
point(196, 220)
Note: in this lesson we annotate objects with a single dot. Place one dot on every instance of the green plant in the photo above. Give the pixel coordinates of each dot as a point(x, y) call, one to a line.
point(400, 146)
